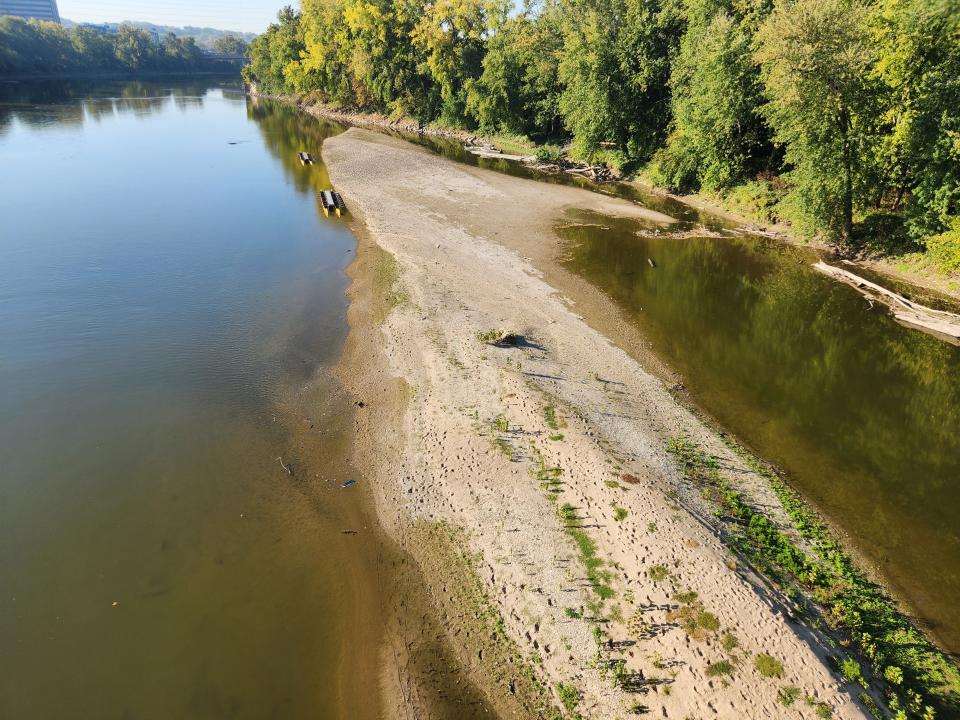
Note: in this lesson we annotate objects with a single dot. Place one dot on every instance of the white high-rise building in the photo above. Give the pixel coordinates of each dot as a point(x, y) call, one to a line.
point(38, 9)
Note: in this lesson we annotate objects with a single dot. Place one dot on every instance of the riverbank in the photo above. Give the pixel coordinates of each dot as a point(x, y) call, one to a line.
point(601, 559)
point(898, 271)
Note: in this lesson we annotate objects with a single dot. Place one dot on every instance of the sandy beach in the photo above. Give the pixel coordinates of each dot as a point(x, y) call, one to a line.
point(542, 466)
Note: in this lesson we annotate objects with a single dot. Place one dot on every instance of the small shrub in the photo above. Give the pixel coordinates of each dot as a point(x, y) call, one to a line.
point(571, 612)
point(619, 513)
point(850, 669)
point(893, 675)
point(548, 153)
point(788, 695)
point(658, 573)
point(719, 668)
point(768, 666)
point(944, 249)
point(685, 598)
point(729, 641)
point(569, 695)
point(708, 621)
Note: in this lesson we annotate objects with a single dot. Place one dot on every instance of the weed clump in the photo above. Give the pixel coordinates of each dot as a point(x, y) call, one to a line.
point(498, 338)
point(720, 668)
point(768, 666)
point(658, 573)
point(788, 695)
point(569, 695)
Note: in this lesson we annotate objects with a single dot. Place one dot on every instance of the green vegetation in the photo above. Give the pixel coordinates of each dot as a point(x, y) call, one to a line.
point(34, 46)
point(839, 115)
point(550, 416)
point(729, 641)
point(768, 666)
point(921, 680)
point(719, 668)
point(788, 695)
point(619, 513)
point(658, 573)
point(693, 618)
point(569, 695)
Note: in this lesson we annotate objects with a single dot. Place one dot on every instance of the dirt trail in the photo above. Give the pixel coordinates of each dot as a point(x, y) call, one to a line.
point(479, 422)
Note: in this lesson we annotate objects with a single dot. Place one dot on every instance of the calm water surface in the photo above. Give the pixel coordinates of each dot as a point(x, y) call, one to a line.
point(860, 412)
point(170, 299)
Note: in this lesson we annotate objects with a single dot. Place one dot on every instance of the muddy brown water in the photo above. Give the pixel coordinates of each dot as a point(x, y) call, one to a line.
point(174, 540)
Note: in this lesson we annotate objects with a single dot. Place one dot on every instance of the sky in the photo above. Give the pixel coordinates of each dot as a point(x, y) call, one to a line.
point(242, 15)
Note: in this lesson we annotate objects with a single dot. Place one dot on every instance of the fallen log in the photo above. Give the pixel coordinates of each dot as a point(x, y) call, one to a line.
point(940, 323)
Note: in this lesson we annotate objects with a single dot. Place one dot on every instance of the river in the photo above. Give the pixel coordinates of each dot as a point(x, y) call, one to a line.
point(858, 411)
point(174, 538)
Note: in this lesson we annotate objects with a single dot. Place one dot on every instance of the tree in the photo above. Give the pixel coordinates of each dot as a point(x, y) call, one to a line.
point(134, 49)
point(94, 49)
point(519, 89)
point(918, 45)
point(716, 95)
point(816, 58)
point(230, 45)
point(275, 52)
point(451, 35)
point(615, 69)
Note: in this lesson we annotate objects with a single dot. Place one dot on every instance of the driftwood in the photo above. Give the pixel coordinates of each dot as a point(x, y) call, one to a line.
point(700, 231)
point(940, 323)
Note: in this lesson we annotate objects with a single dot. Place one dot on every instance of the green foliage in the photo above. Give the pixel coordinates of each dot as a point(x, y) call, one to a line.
point(569, 695)
point(850, 669)
point(34, 46)
point(816, 58)
point(231, 45)
point(917, 673)
point(944, 248)
point(719, 134)
point(787, 696)
point(273, 52)
point(720, 668)
point(658, 573)
point(519, 90)
point(768, 666)
point(615, 73)
point(834, 115)
point(729, 641)
point(619, 513)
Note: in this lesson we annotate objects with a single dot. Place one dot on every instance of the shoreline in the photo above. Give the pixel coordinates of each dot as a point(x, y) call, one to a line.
point(894, 270)
point(450, 505)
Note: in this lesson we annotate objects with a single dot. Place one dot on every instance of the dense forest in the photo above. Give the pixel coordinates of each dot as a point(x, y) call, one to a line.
point(841, 116)
point(32, 46)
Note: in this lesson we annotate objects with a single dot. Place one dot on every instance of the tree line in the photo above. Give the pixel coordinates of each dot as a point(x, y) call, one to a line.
point(34, 46)
point(842, 116)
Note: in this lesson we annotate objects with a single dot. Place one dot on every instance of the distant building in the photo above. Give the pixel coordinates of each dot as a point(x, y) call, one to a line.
point(36, 9)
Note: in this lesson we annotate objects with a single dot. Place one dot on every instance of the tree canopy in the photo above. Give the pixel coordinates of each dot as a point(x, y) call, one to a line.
point(34, 46)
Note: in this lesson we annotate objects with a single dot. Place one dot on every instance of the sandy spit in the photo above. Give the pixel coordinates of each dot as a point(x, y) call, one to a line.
point(455, 429)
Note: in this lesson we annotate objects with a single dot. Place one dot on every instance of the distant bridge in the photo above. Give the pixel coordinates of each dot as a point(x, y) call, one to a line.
point(220, 57)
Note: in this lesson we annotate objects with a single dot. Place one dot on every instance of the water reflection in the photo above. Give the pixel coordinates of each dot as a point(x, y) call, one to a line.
point(861, 412)
point(65, 103)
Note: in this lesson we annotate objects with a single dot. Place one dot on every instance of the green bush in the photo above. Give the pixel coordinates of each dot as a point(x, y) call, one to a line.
point(768, 666)
point(944, 249)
